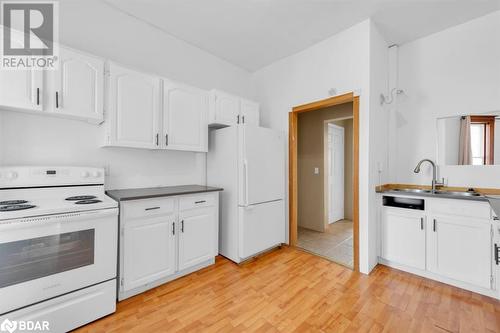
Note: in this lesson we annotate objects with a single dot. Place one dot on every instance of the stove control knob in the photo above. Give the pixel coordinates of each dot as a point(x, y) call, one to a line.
point(85, 174)
point(96, 174)
point(11, 175)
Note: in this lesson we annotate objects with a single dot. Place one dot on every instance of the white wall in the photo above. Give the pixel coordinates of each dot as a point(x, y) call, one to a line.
point(453, 72)
point(341, 62)
point(94, 27)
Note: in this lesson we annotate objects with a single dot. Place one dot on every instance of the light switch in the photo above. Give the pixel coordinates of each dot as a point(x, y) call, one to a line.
point(316, 171)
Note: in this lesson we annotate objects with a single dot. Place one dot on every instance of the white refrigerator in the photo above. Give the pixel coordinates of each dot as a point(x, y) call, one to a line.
point(248, 162)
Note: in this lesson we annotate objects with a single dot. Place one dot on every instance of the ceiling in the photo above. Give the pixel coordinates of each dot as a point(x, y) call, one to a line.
point(255, 33)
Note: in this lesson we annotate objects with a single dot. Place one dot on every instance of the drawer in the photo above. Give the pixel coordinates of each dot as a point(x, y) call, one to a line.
point(196, 201)
point(465, 208)
point(147, 207)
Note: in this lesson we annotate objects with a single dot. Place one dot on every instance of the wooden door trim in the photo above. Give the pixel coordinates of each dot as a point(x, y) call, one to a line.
point(293, 118)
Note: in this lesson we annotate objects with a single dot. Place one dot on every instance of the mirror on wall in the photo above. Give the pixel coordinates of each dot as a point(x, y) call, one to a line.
point(472, 139)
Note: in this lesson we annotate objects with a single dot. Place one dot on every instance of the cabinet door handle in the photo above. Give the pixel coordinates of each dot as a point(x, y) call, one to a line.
point(199, 202)
point(157, 138)
point(421, 223)
point(166, 139)
point(37, 96)
point(182, 226)
point(243, 119)
point(57, 99)
point(434, 225)
point(152, 208)
point(173, 228)
point(238, 119)
point(497, 254)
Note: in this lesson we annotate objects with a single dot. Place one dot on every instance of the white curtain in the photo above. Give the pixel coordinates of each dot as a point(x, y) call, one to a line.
point(465, 151)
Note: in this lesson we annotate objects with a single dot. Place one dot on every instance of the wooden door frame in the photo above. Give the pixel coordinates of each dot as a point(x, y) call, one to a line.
point(293, 123)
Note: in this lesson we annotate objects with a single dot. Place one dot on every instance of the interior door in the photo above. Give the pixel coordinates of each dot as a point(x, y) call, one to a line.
point(261, 165)
point(185, 124)
point(261, 227)
point(196, 236)
point(21, 89)
point(149, 250)
point(336, 172)
point(460, 249)
point(78, 85)
point(134, 102)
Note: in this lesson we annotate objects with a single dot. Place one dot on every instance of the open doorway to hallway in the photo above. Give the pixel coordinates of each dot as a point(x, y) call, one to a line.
point(325, 182)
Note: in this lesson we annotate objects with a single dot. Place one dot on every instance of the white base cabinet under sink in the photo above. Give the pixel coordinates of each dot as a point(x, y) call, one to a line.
point(450, 240)
point(162, 239)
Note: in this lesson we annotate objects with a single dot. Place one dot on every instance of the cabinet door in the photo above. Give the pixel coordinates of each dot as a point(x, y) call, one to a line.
point(77, 87)
point(250, 112)
point(134, 102)
point(196, 236)
point(21, 89)
point(185, 113)
point(149, 250)
point(460, 249)
point(403, 238)
point(224, 109)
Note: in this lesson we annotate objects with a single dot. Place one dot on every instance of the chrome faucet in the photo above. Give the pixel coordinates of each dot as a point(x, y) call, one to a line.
point(435, 182)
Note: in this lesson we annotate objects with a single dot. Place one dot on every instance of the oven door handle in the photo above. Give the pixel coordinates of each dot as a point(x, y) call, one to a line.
point(56, 218)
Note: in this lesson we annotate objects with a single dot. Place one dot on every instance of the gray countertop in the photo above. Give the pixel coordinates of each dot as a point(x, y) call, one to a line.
point(433, 195)
point(156, 192)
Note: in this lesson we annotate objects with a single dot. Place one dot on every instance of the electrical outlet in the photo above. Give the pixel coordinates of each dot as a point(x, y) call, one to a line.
point(316, 171)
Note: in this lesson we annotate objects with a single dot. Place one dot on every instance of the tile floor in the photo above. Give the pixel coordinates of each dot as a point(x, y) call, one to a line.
point(334, 244)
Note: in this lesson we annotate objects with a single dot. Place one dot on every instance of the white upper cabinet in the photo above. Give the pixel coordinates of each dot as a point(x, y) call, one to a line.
point(224, 109)
point(185, 113)
point(133, 107)
point(21, 90)
point(77, 88)
point(249, 112)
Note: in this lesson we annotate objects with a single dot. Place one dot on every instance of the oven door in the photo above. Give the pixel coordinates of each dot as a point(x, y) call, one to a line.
point(47, 256)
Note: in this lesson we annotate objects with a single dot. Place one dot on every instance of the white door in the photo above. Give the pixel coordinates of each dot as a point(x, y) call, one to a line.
point(261, 162)
point(336, 172)
point(460, 248)
point(21, 89)
point(249, 112)
point(76, 89)
point(224, 108)
point(403, 238)
point(196, 236)
point(261, 227)
point(149, 250)
point(185, 113)
point(134, 102)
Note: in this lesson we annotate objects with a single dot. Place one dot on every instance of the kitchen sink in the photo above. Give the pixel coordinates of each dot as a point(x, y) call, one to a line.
point(412, 190)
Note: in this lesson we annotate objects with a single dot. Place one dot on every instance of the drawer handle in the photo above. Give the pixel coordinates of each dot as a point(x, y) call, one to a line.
point(434, 225)
point(199, 202)
point(182, 226)
point(152, 208)
point(421, 223)
point(173, 228)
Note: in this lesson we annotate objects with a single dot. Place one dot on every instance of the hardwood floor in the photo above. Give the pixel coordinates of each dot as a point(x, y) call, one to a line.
point(289, 290)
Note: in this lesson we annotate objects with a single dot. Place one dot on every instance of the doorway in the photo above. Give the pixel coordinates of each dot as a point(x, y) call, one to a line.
point(323, 178)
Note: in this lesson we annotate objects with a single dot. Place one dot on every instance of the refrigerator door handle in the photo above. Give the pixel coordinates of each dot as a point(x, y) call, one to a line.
point(245, 166)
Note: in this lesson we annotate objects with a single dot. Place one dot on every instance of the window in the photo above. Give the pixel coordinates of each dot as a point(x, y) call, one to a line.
point(482, 131)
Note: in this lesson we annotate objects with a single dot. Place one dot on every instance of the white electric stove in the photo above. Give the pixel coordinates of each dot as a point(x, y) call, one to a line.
point(58, 246)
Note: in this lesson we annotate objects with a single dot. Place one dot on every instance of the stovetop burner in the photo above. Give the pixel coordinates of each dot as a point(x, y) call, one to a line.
point(81, 197)
point(11, 208)
point(13, 202)
point(87, 202)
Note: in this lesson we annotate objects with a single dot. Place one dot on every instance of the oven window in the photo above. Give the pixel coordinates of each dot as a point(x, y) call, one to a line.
point(30, 259)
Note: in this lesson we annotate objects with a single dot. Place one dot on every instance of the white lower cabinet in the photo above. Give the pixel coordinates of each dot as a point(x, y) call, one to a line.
point(165, 238)
point(450, 241)
point(196, 236)
point(403, 237)
point(460, 249)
